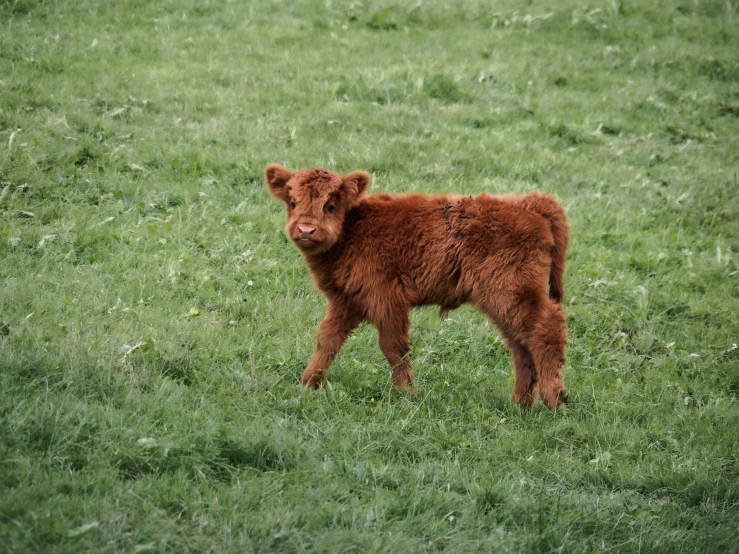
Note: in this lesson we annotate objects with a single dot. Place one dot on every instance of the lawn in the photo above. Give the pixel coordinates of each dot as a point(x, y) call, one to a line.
point(155, 319)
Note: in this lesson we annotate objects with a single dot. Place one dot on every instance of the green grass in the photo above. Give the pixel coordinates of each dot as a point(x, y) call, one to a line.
point(154, 319)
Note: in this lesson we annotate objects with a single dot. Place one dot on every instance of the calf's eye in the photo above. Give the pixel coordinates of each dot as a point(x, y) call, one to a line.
point(330, 209)
point(292, 204)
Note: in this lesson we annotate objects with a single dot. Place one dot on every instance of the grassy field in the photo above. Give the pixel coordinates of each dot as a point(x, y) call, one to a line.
point(154, 319)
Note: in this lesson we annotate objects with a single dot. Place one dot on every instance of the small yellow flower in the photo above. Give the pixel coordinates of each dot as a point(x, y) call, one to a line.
point(446, 383)
point(372, 399)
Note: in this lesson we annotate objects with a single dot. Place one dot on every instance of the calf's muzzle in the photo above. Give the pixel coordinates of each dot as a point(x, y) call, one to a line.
point(305, 232)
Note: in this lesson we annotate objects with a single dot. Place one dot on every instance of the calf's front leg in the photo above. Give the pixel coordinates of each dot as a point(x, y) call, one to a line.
point(339, 322)
point(395, 344)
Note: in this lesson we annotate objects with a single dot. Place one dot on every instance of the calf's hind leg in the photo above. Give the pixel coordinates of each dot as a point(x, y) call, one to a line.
point(546, 337)
point(536, 331)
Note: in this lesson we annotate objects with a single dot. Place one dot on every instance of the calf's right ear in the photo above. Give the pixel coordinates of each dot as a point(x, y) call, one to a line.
point(277, 178)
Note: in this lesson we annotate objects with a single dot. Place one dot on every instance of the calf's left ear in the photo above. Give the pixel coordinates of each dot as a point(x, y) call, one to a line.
point(277, 178)
point(355, 184)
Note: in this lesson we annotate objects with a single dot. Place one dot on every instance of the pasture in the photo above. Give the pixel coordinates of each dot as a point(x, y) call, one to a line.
point(155, 319)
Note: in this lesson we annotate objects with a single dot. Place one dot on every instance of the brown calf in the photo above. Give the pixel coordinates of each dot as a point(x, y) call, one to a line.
point(375, 257)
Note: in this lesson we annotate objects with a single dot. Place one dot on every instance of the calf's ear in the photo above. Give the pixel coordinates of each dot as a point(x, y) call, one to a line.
point(277, 178)
point(355, 184)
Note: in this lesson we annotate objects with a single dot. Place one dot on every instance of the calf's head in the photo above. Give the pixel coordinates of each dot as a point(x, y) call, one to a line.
point(317, 202)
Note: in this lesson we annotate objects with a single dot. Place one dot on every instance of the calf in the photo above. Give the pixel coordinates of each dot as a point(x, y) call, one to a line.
point(375, 257)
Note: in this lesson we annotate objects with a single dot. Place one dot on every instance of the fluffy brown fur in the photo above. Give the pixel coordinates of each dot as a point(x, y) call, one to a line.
point(375, 257)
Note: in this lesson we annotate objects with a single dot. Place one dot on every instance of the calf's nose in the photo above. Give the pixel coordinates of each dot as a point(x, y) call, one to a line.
point(306, 231)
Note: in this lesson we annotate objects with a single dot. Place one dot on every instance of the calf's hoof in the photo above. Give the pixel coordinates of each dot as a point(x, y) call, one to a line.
point(403, 381)
point(404, 388)
point(525, 400)
point(312, 379)
point(554, 397)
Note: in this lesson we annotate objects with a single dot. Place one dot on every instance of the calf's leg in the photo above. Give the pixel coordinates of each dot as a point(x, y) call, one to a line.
point(546, 341)
point(395, 344)
point(339, 322)
point(537, 335)
point(524, 390)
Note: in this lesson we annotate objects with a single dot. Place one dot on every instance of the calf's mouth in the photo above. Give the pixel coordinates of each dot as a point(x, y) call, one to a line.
point(306, 243)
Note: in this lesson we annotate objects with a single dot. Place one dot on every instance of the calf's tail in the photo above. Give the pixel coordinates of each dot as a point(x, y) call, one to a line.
point(550, 209)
